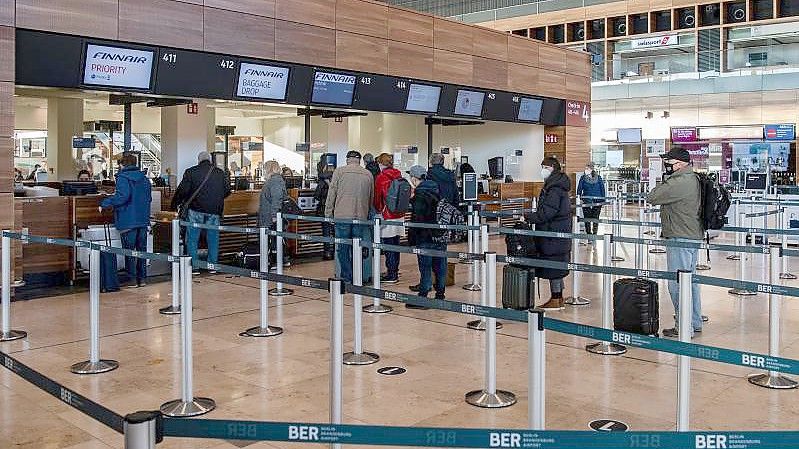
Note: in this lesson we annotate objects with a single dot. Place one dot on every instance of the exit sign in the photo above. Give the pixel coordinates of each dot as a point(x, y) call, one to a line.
point(551, 138)
point(193, 108)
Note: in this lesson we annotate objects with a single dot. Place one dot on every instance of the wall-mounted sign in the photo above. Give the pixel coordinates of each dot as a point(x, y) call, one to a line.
point(192, 108)
point(655, 147)
point(83, 142)
point(783, 131)
point(262, 81)
point(551, 138)
point(117, 67)
point(731, 132)
point(655, 42)
point(578, 113)
point(629, 135)
point(302, 147)
point(683, 134)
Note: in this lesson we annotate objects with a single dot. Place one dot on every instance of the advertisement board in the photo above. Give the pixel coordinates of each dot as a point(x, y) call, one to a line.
point(655, 42)
point(117, 67)
point(683, 134)
point(782, 131)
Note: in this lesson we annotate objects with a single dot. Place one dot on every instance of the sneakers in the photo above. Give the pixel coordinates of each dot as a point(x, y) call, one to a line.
point(141, 284)
point(389, 280)
point(440, 296)
point(553, 304)
point(705, 318)
point(414, 288)
point(675, 333)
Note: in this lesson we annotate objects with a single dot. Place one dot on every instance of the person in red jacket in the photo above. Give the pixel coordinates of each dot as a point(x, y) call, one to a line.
point(390, 235)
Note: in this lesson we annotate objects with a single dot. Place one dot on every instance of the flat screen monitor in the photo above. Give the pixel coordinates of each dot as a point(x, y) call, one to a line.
point(530, 109)
point(423, 98)
point(333, 88)
point(76, 188)
point(265, 82)
point(755, 181)
point(118, 67)
point(469, 103)
point(629, 135)
point(496, 168)
point(470, 187)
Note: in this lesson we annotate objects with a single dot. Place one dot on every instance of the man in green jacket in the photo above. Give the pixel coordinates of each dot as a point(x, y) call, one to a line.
point(679, 200)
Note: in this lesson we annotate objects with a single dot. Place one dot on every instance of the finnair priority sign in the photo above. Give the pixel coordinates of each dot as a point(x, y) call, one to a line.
point(652, 42)
point(118, 67)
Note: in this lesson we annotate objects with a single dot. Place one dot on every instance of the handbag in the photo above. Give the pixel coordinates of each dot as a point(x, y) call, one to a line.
point(290, 207)
point(183, 209)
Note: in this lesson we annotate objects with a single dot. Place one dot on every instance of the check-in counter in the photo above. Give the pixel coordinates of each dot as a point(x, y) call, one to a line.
point(500, 191)
point(50, 217)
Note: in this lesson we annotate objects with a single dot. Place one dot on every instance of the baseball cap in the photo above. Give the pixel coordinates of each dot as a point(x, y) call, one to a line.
point(679, 154)
point(353, 154)
point(417, 171)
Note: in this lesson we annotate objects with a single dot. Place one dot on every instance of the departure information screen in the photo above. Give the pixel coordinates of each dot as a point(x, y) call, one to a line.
point(423, 98)
point(333, 88)
point(118, 67)
point(267, 82)
point(469, 103)
point(530, 109)
point(189, 73)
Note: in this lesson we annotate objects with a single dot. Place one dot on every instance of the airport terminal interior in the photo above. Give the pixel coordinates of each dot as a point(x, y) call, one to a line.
point(490, 218)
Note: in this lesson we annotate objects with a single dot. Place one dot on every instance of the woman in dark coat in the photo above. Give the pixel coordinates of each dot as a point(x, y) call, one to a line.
point(553, 214)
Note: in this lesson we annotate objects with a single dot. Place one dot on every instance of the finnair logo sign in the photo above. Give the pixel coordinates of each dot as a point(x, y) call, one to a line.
point(335, 78)
point(262, 81)
point(659, 41)
point(117, 67)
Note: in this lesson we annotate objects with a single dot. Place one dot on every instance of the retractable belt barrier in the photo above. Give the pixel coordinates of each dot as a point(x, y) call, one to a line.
point(505, 213)
point(27, 238)
point(423, 251)
point(763, 214)
point(429, 225)
point(262, 275)
point(327, 219)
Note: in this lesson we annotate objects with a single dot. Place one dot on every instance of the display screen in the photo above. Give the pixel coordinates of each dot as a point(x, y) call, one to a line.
point(266, 82)
point(333, 88)
point(189, 73)
point(469, 103)
point(118, 67)
point(423, 98)
point(629, 135)
point(530, 109)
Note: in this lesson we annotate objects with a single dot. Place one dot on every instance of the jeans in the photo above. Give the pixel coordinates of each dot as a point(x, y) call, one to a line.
point(556, 285)
point(211, 236)
point(428, 266)
point(592, 212)
point(392, 258)
point(344, 252)
point(684, 259)
point(135, 239)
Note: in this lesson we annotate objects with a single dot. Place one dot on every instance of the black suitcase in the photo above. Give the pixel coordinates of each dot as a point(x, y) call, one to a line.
point(109, 276)
point(635, 306)
point(518, 287)
point(520, 245)
point(249, 256)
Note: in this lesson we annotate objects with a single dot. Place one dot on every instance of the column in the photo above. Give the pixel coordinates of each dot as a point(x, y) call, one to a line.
point(64, 121)
point(184, 135)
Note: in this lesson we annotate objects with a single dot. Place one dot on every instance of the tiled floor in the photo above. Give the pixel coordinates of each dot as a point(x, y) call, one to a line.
point(285, 378)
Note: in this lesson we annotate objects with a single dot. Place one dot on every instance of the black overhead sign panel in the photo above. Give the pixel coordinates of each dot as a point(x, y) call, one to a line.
point(55, 60)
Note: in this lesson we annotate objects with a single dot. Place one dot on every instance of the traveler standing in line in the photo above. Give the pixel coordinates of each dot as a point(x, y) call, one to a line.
point(423, 210)
point(350, 198)
point(389, 234)
point(444, 178)
point(272, 195)
point(371, 164)
point(590, 189)
point(679, 199)
point(324, 174)
point(202, 193)
point(553, 214)
point(131, 203)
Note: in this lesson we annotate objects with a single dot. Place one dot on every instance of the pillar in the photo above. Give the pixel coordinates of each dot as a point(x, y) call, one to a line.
point(337, 139)
point(64, 121)
point(184, 135)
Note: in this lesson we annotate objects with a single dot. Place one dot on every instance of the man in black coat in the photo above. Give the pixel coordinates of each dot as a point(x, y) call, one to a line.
point(553, 214)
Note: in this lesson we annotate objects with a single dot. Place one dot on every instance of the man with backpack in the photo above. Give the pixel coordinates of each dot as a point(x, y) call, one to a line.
point(424, 206)
point(350, 197)
point(444, 178)
point(679, 197)
point(392, 196)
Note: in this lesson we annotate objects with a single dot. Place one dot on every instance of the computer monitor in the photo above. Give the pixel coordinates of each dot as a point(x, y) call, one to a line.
point(77, 188)
point(496, 167)
point(755, 181)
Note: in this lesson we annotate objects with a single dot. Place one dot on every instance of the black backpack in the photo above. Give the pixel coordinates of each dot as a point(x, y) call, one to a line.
point(714, 202)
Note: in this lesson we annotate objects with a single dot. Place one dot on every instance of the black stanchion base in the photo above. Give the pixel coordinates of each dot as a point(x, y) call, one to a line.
point(483, 399)
point(258, 331)
point(606, 348)
point(169, 310)
point(89, 367)
point(180, 409)
point(364, 358)
point(777, 382)
point(12, 335)
point(480, 325)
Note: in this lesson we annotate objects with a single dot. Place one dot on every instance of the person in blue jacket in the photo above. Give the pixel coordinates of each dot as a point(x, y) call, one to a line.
point(444, 178)
point(591, 190)
point(131, 203)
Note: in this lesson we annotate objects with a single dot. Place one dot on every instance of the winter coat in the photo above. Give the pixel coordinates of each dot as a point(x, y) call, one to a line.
point(447, 185)
point(423, 210)
point(678, 198)
point(211, 199)
point(131, 200)
point(374, 168)
point(554, 215)
point(320, 194)
point(351, 193)
point(591, 186)
point(272, 195)
point(382, 183)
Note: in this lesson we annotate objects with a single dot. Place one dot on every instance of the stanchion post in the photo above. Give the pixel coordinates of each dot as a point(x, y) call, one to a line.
point(469, 233)
point(785, 272)
point(480, 325)
point(279, 290)
point(358, 356)
point(141, 430)
point(376, 306)
point(174, 308)
point(474, 275)
point(489, 396)
point(536, 359)
point(742, 265)
point(736, 221)
point(684, 280)
point(336, 349)
point(604, 347)
point(188, 405)
point(773, 379)
point(263, 329)
point(575, 299)
point(7, 334)
point(616, 226)
point(94, 365)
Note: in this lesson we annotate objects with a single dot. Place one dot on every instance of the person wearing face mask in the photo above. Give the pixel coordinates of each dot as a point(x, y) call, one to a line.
point(591, 189)
point(390, 235)
point(553, 214)
point(679, 200)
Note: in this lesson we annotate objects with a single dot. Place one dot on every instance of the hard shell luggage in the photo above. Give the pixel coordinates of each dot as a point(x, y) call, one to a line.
point(635, 306)
point(520, 245)
point(518, 287)
point(249, 256)
point(109, 279)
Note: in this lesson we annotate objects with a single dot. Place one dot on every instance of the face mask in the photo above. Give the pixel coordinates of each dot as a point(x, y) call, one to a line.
point(588, 172)
point(668, 168)
point(545, 172)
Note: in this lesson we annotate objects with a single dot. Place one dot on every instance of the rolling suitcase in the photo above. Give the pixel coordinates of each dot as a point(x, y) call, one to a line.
point(250, 256)
point(635, 306)
point(109, 279)
point(518, 287)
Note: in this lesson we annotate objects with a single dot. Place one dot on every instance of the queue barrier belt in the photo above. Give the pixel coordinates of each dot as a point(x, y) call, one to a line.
point(763, 214)
point(760, 231)
point(600, 269)
point(506, 212)
point(646, 224)
point(27, 238)
point(560, 235)
point(262, 275)
point(680, 243)
point(350, 221)
point(747, 285)
point(429, 225)
point(423, 251)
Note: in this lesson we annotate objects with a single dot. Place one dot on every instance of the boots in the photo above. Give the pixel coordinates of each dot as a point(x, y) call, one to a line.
point(555, 303)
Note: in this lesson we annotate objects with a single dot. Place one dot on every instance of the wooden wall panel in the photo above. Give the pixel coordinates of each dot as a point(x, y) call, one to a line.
point(70, 16)
point(7, 204)
point(490, 73)
point(296, 42)
point(48, 217)
point(6, 108)
point(7, 12)
point(359, 52)
point(362, 17)
point(452, 36)
point(578, 87)
point(523, 51)
point(410, 27)
point(637, 6)
point(162, 22)
point(552, 58)
point(490, 44)
point(452, 67)
point(7, 53)
point(254, 35)
point(605, 10)
point(264, 8)
point(655, 5)
point(578, 148)
point(522, 78)
point(578, 63)
point(413, 61)
point(6, 167)
point(321, 13)
point(552, 84)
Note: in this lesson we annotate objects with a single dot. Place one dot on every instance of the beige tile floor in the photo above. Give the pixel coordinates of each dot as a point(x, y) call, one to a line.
point(285, 378)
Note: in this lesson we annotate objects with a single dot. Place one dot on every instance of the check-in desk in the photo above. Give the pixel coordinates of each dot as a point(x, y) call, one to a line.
point(500, 191)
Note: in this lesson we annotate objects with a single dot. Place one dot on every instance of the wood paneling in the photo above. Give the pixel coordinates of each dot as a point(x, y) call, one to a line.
point(410, 27)
point(490, 44)
point(578, 87)
point(6, 166)
point(359, 52)
point(451, 67)
point(361, 17)
point(7, 204)
point(264, 8)
point(490, 73)
point(162, 22)
point(7, 12)
point(242, 202)
point(522, 78)
point(6, 108)
point(413, 61)
point(49, 217)
point(578, 63)
point(452, 36)
point(7, 53)
point(551, 58)
point(295, 42)
point(655, 5)
point(605, 10)
point(70, 16)
point(552, 84)
point(523, 51)
point(578, 148)
point(637, 6)
point(239, 34)
point(321, 13)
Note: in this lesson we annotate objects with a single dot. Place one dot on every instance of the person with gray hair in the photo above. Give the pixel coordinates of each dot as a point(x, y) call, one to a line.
point(371, 164)
point(444, 178)
point(200, 198)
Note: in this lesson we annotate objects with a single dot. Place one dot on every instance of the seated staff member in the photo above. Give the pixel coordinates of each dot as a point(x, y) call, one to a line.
point(389, 235)
point(424, 204)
